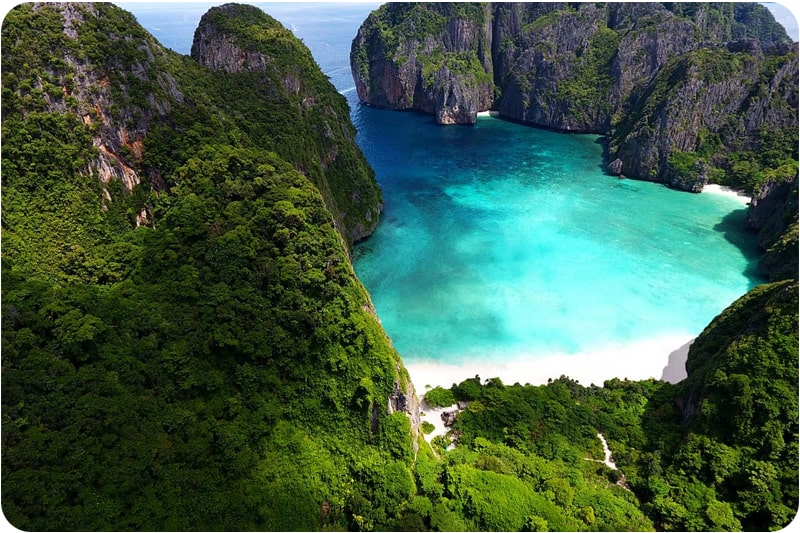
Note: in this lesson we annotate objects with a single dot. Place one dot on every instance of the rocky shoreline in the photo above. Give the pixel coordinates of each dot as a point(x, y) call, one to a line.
point(665, 86)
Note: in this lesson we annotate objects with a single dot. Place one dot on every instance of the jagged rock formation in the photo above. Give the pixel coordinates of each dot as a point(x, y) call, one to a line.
point(660, 80)
point(99, 92)
point(441, 64)
point(703, 105)
point(404, 399)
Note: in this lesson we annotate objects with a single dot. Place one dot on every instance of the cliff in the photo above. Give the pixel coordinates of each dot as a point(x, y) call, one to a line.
point(433, 60)
point(185, 344)
point(659, 80)
point(256, 53)
point(773, 214)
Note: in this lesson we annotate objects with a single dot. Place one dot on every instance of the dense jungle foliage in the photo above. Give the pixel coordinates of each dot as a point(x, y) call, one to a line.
point(217, 368)
point(216, 364)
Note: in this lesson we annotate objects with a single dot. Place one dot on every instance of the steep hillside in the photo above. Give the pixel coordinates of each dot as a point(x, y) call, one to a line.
point(739, 413)
point(309, 121)
point(185, 345)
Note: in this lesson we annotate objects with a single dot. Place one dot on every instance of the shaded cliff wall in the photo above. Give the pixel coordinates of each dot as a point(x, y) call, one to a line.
point(774, 213)
point(254, 52)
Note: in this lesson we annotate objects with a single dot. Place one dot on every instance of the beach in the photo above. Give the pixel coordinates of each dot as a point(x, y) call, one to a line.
point(726, 191)
point(659, 358)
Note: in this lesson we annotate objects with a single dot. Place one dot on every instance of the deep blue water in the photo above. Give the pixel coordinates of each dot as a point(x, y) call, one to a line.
point(504, 241)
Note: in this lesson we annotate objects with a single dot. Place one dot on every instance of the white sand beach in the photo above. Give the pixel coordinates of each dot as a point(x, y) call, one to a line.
point(726, 191)
point(639, 360)
point(434, 416)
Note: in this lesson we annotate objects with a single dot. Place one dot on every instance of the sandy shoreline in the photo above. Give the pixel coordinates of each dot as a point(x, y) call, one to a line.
point(433, 415)
point(660, 358)
point(726, 191)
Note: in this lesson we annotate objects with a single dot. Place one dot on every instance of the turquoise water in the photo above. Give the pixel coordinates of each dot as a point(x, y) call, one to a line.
point(500, 240)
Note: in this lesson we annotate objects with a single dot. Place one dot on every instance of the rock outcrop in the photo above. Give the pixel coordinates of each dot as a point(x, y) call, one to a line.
point(99, 94)
point(404, 399)
point(660, 80)
point(437, 61)
point(251, 47)
point(774, 214)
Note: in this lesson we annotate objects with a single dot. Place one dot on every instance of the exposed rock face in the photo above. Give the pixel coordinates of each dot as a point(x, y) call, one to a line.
point(405, 400)
point(774, 213)
point(217, 50)
point(661, 80)
point(271, 58)
point(708, 101)
point(441, 63)
point(101, 97)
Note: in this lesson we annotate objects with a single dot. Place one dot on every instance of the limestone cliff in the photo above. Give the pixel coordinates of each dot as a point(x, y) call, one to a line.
point(660, 80)
point(254, 50)
point(709, 102)
point(433, 60)
point(101, 92)
point(97, 116)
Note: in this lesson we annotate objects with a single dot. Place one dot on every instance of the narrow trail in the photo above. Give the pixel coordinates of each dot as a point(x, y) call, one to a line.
point(608, 461)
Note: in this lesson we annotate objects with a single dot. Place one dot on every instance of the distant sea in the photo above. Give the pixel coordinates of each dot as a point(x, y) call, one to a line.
point(501, 242)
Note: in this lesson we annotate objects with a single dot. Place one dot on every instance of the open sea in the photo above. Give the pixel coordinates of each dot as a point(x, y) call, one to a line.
point(501, 242)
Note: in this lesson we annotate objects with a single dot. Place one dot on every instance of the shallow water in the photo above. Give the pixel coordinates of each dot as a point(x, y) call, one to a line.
point(502, 244)
point(500, 240)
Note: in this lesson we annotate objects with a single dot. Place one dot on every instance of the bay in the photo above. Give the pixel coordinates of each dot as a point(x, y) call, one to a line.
point(504, 248)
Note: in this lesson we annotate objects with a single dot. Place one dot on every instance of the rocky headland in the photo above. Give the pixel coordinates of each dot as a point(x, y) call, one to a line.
point(675, 88)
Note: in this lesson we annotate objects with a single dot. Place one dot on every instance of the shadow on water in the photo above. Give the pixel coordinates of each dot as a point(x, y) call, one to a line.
point(732, 227)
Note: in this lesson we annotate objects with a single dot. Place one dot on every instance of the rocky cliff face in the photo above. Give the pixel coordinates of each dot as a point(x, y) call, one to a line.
point(773, 213)
point(660, 80)
point(99, 92)
point(436, 61)
point(708, 102)
point(255, 49)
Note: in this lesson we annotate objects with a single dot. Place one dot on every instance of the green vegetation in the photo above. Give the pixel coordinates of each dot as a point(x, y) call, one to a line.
point(465, 65)
point(586, 92)
point(739, 416)
point(716, 452)
point(308, 119)
point(394, 26)
point(218, 368)
point(723, 22)
point(217, 365)
point(439, 397)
